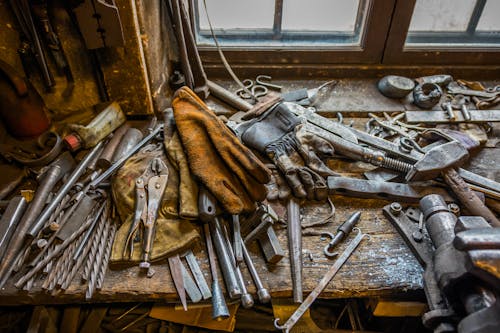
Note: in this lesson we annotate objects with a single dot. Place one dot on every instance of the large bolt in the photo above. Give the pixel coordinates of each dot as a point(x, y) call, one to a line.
point(395, 208)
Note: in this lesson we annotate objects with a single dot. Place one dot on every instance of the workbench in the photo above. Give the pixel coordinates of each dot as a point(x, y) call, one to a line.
point(381, 267)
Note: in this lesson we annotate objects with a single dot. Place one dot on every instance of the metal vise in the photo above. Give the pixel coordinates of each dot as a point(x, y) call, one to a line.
point(462, 281)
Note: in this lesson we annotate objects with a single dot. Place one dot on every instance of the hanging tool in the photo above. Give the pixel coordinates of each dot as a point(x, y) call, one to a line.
point(287, 326)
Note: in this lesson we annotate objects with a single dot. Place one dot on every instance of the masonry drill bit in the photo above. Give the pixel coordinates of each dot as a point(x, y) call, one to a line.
point(56, 253)
point(97, 263)
point(95, 245)
point(107, 253)
point(76, 267)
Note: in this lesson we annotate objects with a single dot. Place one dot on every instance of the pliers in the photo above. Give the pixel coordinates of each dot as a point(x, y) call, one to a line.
point(149, 189)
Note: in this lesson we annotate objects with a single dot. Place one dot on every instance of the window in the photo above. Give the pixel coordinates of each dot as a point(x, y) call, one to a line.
point(268, 23)
point(459, 23)
point(315, 35)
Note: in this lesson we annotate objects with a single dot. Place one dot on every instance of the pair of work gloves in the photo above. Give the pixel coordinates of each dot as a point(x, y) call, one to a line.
point(295, 152)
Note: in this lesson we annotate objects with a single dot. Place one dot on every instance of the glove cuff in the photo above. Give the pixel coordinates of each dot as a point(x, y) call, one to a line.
point(269, 128)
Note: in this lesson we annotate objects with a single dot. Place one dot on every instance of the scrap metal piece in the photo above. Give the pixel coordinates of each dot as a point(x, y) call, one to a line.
point(362, 188)
point(288, 325)
point(406, 228)
point(9, 221)
point(198, 275)
point(394, 86)
point(191, 289)
point(438, 117)
point(295, 248)
point(175, 265)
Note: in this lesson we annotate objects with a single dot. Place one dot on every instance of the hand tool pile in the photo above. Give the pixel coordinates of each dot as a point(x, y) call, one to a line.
point(68, 227)
point(229, 177)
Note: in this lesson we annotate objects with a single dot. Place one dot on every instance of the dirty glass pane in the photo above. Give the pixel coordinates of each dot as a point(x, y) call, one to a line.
point(454, 23)
point(320, 15)
point(264, 23)
point(490, 20)
point(237, 14)
point(441, 15)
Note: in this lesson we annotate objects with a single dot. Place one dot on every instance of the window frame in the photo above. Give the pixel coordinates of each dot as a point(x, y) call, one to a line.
point(370, 50)
point(396, 54)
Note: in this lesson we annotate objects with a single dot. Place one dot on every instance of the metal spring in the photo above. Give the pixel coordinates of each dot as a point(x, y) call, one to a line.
point(394, 164)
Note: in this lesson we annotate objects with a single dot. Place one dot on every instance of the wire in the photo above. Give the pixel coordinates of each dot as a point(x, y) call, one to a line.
point(223, 58)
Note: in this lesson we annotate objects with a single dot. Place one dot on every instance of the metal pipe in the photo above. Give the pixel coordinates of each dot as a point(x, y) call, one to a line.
point(125, 157)
point(228, 97)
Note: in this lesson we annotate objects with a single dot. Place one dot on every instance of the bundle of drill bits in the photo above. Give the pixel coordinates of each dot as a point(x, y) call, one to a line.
point(58, 259)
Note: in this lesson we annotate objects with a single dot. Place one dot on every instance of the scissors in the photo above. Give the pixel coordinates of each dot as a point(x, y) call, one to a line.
point(260, 87)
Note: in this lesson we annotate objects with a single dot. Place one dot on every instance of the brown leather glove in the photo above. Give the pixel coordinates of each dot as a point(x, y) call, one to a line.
point(172, 234)
point(228, 169)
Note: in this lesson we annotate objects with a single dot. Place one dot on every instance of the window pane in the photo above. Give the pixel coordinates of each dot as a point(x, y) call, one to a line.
point(489, 20)
point(441, 15)
point(454, 23)
point(237, 14)
point(320, 15)
point(299, 23)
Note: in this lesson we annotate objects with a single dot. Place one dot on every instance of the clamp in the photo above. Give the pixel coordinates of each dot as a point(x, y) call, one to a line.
point(149, 189)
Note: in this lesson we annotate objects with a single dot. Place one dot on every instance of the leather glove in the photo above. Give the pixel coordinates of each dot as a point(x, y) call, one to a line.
point(172, 234)
point(277, 188)
point(188, 188)
point(228, 169)
point(280, 135)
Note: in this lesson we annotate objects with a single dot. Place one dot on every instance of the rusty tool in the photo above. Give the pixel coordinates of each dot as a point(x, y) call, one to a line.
point(287, 326)
point(9, 221)
point(54, 254)
point(198, 275)
point(174, 263)
point(207, 211)
point(106, 158)
point(262, 292)
point(295, 248)
point(55, 171)
point(238, 255)
point(79, 170)
point(246, 298)
point(342, 231)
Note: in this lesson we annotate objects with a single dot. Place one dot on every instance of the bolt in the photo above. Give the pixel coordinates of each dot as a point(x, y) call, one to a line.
point(454, 208)
point(396, 208)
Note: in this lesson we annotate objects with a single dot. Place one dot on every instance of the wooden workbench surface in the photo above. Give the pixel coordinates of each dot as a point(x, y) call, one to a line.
point(381, 266)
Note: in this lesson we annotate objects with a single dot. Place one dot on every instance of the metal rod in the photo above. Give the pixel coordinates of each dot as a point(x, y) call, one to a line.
point(262, 292)
point(295, 248)
point(80, 169)
point(287, 326)
point(122, 160)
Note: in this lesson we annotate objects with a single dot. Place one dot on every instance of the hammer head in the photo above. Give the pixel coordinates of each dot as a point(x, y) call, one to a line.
point(438, 159)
